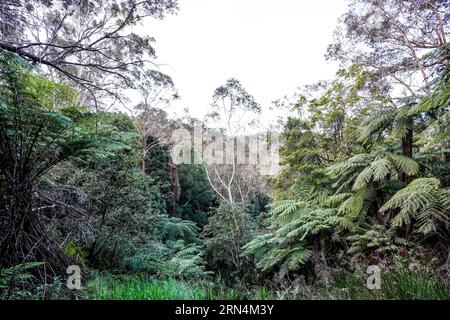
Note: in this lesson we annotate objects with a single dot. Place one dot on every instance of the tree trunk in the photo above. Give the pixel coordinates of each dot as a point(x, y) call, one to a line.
point(176, 188)
point(407, 144)
point(144, 156)
point(407, 149)
point(23, 237)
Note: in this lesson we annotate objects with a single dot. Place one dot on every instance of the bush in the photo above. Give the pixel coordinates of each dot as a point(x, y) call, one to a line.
point(229, 228)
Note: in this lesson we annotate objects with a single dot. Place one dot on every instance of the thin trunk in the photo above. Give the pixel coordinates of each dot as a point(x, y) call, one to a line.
point(407, 143)
point(407, 149)
point(144, 156)
point(176, 189)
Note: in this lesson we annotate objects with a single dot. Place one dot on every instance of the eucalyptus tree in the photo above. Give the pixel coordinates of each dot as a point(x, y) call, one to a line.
point(390, 37)
point(151, 119)
point(95, 45)
point(234, 114)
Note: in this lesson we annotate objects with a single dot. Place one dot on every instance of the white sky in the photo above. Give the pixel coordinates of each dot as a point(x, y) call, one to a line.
point(271, 46)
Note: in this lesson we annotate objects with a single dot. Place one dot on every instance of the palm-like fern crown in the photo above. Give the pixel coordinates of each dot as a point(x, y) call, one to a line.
point(293, 223)
point(174, 228)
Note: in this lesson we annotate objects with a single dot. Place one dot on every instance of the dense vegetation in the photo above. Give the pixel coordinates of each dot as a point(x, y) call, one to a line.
point(365, 157)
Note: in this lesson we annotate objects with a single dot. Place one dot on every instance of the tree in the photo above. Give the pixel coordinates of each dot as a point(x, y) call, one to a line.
point(36, 134)
point(88, 43)
point(234, 113)
point(392, 39)
point(151, 120)
point(233, 110)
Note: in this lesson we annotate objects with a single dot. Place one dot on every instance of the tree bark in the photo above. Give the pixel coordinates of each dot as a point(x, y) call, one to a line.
point(407, 149)
point(176, 189)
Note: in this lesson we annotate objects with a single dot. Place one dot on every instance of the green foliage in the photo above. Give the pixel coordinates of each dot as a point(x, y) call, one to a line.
point(34, 110)
point(421, 200)
point(37, 135)
point(374, 200)
point(228, 229)
point(175, 228)
point(196, 198)
point(293, 225)
point(14, 279)
point(170, 259)
point(400, 282)
point(128, 209)
point(158, 168)
point(364, 180)
point(108, 287)
point(365, 177)
point(76, 251)
point(405, 284)
point(376, 238)
point(361, 170)
point(302, 155)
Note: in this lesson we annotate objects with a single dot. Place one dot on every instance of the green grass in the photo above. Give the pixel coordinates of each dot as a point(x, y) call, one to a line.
point(407, 285)
point(397, 284)
point(400, 283)
point(109, 287)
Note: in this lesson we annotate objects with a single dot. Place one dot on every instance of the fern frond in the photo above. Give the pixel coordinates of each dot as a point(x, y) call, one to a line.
point(296, 258)
point(420, 199)
point(405, 164)
point(175, 229)
point(350, 164)
point(377, 124)
point(356, 205)
point(363, 178)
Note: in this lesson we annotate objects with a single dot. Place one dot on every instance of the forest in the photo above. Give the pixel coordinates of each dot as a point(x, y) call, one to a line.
point(344, 197)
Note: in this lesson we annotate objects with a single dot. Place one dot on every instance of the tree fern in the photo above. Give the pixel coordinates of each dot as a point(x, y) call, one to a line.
point(174, 228)
point(187, 260)
point(362, 169)
point(292, 224)
point(376, 125)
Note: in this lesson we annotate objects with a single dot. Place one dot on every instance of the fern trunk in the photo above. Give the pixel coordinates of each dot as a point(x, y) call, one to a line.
point(23, 237)
point(407, 149)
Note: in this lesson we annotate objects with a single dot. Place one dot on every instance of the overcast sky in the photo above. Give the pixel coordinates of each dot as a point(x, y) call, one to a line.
point(271, 46)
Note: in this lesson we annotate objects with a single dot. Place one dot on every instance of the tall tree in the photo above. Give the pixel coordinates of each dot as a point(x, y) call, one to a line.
point(89, 43)
point(392, 39)
point(234, 112)
point(151, 120)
